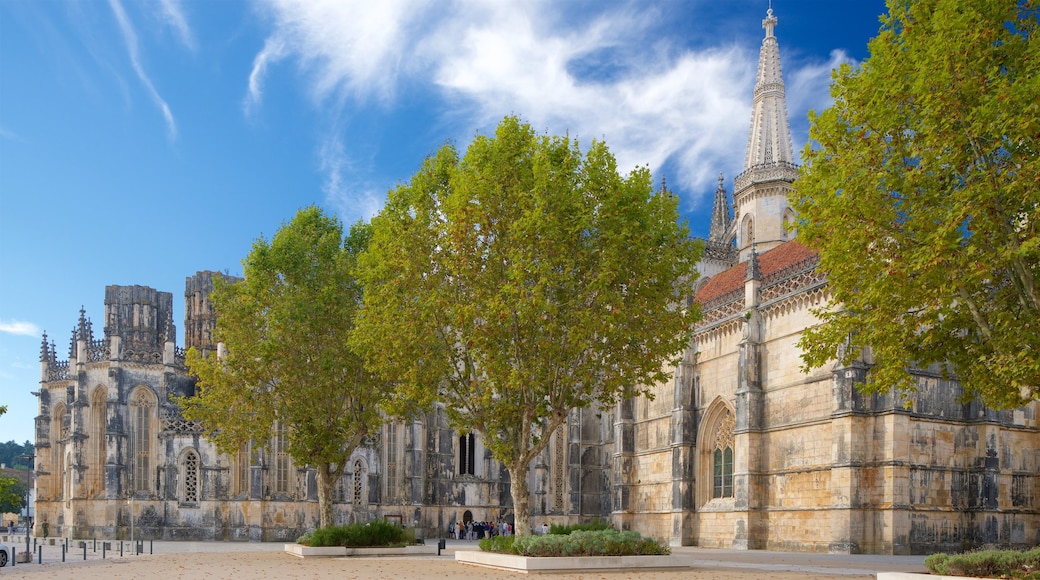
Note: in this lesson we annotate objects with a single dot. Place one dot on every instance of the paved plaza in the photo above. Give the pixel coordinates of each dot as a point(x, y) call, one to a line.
point(216, 560)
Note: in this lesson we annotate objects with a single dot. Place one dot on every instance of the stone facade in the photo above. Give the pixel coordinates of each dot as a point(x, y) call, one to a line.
point(741, 449)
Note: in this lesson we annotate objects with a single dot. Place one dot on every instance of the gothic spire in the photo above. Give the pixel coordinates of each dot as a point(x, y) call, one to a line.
point(44, 352)
point(720, 215)
point(83, 324)
point(769, 140)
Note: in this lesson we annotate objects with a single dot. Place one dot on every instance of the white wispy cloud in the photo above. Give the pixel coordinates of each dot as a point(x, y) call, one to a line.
point(173, 15)
point(608, 77)
point(19, 327)
point(130, 37)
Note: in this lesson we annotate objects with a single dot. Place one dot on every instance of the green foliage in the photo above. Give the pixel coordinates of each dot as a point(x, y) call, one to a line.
point(12, 494)
point(497, 544)
point(285, 327)
point(920, 190)
point(375, 533)
point(987, 564)
point(521, 281)
point(596, 524)
point(11, 454)
point(608, 542)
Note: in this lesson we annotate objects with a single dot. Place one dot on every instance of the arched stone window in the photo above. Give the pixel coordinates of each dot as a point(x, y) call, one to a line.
point(97, 442)
point(241, 473)
point(392, 472)
point(282, 461)
point(359, 483)
point(467, 454)
point(747, 230)
point(143, 425)
point(190, 465)
point(790, 225)
point(716, 453)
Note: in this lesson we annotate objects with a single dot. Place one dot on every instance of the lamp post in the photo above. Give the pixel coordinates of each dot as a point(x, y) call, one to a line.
point(28, 467)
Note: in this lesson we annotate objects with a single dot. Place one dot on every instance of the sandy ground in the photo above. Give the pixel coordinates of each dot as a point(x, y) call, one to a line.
point(275, 565)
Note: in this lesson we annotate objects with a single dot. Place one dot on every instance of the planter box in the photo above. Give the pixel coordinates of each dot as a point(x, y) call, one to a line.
point(584, 563)
point(302, 551)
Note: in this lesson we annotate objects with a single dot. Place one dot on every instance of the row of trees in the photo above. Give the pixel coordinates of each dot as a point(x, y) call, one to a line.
point(512, 284)
point(524, 278)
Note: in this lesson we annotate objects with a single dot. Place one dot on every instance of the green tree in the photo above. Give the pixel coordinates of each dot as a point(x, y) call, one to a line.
point(921, 189)
point(12, 494)
point(520, 282)
point(285, 328)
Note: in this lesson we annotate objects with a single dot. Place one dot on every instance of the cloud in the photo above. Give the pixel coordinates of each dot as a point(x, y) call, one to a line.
point(19, 327)
point(606, 75)
point(130, 37)
point(350, 201)
point(174, 17)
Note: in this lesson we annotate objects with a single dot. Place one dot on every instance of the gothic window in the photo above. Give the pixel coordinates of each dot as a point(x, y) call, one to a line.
point(789, 224)
point(467, 454)
point(97, 441)
point(749, 231)
point(190, 477)
point(722, 459)
point(391, 462)
point(359, 483)
point(559, 459)
point(241, 483)
point(281, 460)
point(716, 454)
point(142, 419)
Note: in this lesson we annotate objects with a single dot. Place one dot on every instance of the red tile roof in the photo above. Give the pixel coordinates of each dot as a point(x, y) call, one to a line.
point(785, 254)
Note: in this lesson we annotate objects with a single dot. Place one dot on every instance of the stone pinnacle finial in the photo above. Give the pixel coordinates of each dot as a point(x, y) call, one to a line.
point(753, 271)
point(44, 353)
point(769, 22)
point(83, 324)
point(72, 345)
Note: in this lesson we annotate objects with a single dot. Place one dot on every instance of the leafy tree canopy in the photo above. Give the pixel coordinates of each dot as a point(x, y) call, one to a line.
point(12, 494)
point(921, 190)
point(521, 281)
point(285, 328)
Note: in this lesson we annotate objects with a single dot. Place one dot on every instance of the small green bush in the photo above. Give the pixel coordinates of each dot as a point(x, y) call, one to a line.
point(597, 524)
point(497, 544)
point(374, 533)
point(609, 542)
point(987, 564)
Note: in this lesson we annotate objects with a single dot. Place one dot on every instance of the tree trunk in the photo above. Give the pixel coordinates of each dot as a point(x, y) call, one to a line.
point(521, 499)
point(325, 483)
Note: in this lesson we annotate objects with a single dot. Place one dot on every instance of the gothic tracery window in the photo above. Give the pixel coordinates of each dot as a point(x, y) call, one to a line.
point(391, 461)
point(281, 460)
point(359, 482)
point(722, 459)
point(142, 413)
point(467, 454)
point(190, 481)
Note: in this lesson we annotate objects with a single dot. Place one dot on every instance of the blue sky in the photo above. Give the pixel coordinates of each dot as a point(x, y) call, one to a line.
point(141, 142)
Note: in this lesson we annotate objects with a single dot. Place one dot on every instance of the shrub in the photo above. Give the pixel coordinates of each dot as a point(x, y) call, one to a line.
point(594, 525)
point(374, 533)
point(609, 542)
point(497, 544)
point(987, 564)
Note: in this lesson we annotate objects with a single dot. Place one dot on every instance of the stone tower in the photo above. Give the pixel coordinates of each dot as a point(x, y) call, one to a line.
point(199, 316)
point(761, 190)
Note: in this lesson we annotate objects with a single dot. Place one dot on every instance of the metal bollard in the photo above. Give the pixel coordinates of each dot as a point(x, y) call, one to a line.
point(151, 546)
point(103, 546)
point(63, 549)
point(84, 551)
point(95, 544)
point(39, 554)
point(441, 544)
point(120, 548)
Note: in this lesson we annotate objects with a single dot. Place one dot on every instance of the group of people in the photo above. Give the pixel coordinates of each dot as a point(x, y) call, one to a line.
point(478, 530)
